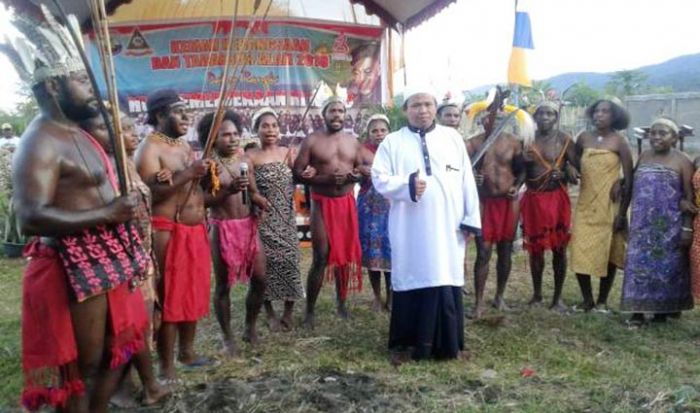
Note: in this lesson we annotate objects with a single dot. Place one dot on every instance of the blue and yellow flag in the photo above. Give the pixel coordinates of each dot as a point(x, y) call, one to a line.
point(522, 41)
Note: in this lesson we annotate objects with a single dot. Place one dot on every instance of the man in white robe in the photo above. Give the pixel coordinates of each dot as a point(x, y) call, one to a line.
point(424, 170)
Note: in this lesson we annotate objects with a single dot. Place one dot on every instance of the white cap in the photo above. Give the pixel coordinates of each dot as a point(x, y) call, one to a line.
point(418, 89)
point(257, 115)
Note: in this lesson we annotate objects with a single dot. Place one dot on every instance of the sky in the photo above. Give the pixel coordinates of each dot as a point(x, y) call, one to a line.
point(469, 43)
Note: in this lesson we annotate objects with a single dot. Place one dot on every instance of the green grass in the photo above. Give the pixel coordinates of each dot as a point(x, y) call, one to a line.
point(582, 362)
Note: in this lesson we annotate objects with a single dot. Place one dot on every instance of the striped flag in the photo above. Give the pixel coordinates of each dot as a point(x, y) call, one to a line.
point(522, 41)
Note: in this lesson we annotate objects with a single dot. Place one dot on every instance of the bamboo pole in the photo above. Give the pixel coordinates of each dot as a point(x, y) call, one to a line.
point(223, 92)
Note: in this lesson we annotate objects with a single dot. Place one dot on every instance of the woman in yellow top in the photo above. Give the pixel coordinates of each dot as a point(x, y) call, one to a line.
point(600, 220)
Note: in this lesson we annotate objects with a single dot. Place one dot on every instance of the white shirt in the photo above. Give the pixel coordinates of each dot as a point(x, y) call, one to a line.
point(13, 141)
point(427, 246)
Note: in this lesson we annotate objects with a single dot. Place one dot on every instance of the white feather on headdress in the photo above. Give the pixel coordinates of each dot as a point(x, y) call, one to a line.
point(45, 49)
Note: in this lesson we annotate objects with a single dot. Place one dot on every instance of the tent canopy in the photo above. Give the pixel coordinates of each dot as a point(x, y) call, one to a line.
point(398, 14)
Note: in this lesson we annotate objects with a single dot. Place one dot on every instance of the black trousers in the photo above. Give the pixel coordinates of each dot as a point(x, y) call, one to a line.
point(428, 321)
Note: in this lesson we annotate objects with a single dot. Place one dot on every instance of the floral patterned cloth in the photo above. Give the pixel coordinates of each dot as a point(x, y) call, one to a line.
point(657, 278)
point(373, 217)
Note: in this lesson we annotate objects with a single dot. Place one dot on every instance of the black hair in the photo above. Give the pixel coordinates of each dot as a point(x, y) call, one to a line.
point(204, 125)
point(440, 109)
point(364, 51)
point(152, 116)
point(41, 93)
point(620, 116)
point(250, 145)
point(256, 125)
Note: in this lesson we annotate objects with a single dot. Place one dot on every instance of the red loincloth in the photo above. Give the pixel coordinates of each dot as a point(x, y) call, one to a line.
point(498, 219)
point(238, 244)
point(546, 220)
point(49, 350)
point(187, 272)
point(345, 255)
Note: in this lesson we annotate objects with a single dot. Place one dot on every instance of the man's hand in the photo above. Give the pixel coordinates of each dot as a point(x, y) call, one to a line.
point(354, 175)
point(572, 175)
point(309, 172)
point(364, 170)
point(556, 175)
point(512, 192)
point(419, 184)
point(164, 175)
point(479, 179)
point(200, 168)
point(340, 177)
point(238, 184)
point(123, 208)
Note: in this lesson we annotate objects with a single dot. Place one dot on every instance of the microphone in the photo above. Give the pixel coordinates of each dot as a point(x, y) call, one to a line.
point(244, 174)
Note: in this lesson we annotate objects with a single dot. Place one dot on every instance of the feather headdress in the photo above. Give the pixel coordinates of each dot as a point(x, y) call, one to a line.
point(45, 49)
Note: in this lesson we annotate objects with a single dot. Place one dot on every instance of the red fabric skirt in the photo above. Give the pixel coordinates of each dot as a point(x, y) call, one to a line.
point(49, 350)
point(238, 245)
point(187, 272)
point(546, 220)
point(342, 230)
point(498, 219)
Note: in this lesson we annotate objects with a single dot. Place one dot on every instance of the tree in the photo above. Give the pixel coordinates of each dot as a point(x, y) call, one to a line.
point(580, 94)
point(536, 93)
point(627, 82)
point(23, 113)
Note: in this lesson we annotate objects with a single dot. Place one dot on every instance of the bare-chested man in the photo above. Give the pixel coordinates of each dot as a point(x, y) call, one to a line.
point(237, 253)
point(499, 177)
point(79, 316)
point(545, 207)
point(180, 240)
point(334, 155)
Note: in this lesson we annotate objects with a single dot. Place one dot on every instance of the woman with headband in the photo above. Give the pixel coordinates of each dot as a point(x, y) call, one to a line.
point(373, 214)
point(657, 274)
point(273, 176)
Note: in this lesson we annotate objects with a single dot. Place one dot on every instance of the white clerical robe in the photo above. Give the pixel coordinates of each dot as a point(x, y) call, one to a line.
point(427, 245)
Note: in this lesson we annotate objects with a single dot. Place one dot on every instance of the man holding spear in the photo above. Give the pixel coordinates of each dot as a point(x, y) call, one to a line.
point(79, 308)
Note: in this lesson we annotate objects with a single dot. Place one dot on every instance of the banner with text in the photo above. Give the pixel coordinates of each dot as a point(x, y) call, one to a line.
point(280, 64)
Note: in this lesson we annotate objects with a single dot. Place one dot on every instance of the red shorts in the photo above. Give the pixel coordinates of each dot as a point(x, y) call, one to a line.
point(546, 220)
point(342, 229)
point(187, 272)
point(498, 219)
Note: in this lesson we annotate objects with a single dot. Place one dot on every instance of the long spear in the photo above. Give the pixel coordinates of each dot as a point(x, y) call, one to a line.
point(121, 171)
point(104, 41)
point(223, 92)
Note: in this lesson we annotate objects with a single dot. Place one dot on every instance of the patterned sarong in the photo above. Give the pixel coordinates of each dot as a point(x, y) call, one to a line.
point(49, 350)
point(657, 278)
point(594, 244)
point(278, 233)
point(373, 218)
